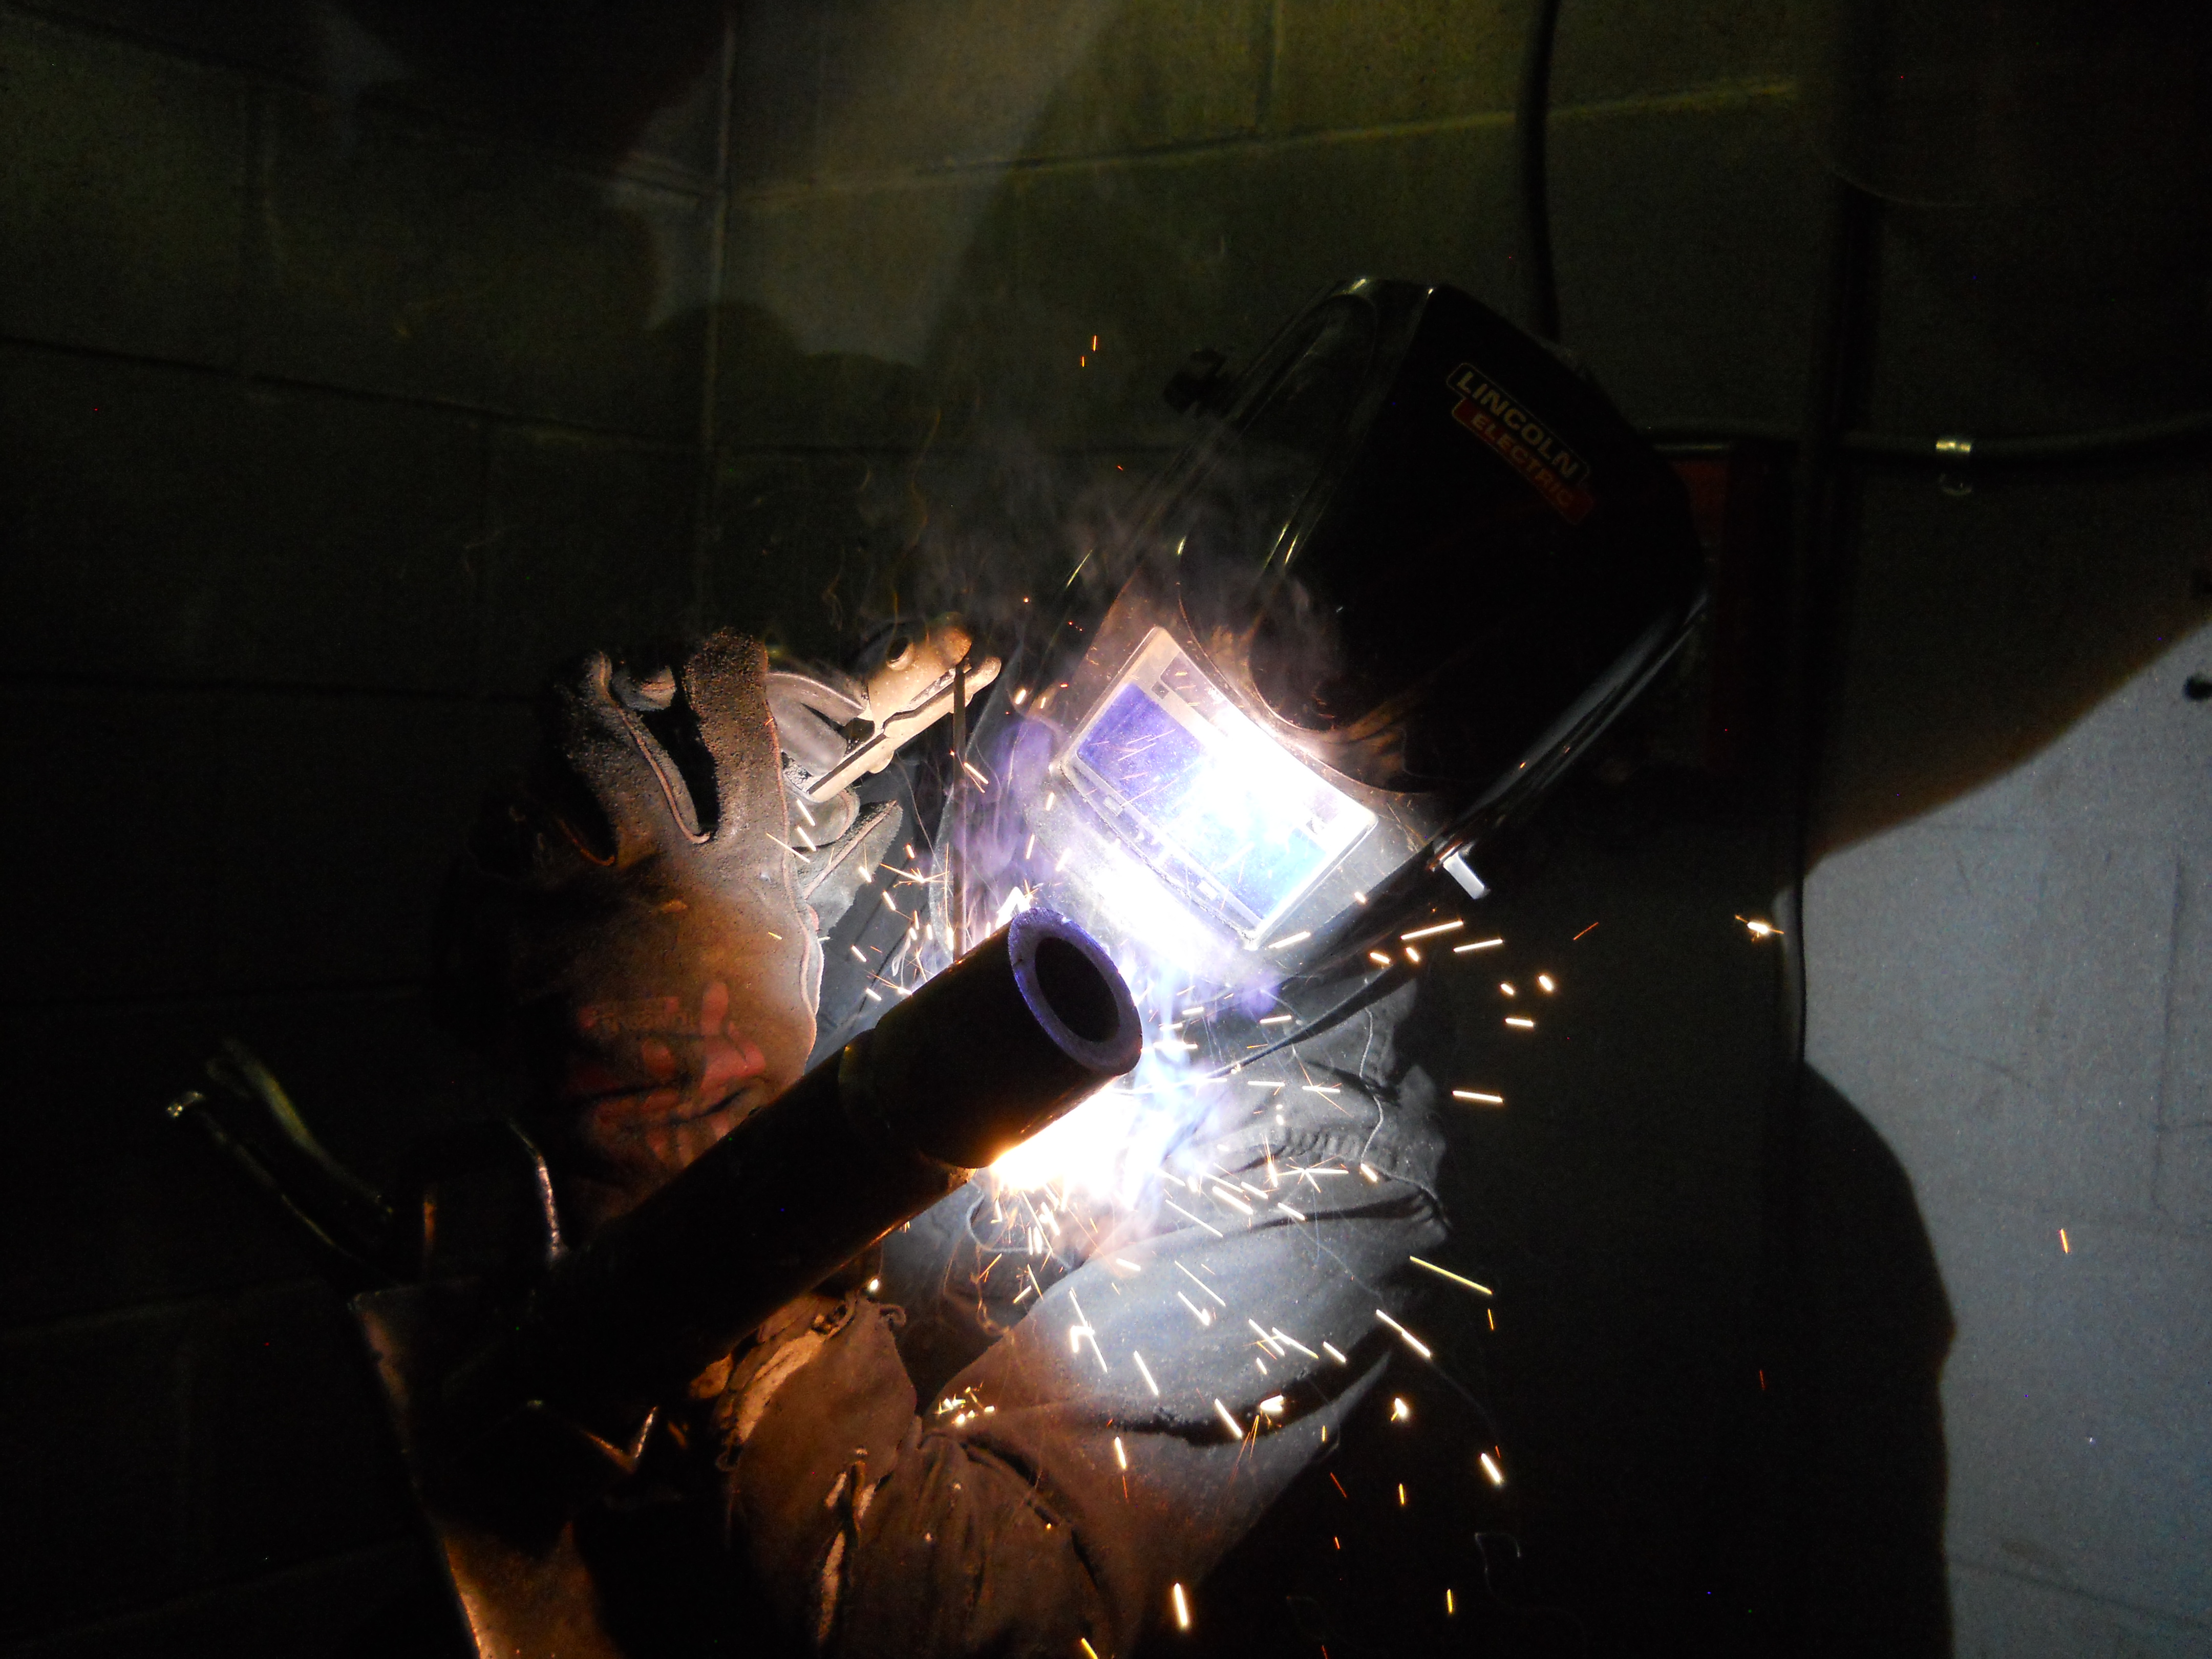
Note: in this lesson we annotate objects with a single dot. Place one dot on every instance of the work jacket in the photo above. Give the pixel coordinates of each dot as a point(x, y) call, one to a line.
point(1214, 1421)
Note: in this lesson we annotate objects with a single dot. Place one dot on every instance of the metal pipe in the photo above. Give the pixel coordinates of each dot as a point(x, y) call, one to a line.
point(1029, 1024)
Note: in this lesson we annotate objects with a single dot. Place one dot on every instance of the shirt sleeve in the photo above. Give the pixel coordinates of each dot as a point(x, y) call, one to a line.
point(1075, 1483)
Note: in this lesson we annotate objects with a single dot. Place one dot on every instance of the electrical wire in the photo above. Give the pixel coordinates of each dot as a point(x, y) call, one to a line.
point(1957, 451)
point(1948, 452)
point(1531, 117)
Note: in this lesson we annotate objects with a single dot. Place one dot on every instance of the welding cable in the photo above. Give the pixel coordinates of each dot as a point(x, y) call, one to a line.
point(1531, 117)
point(1957, 451)
point(1371, 990)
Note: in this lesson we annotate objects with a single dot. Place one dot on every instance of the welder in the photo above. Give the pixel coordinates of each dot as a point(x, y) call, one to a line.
point(1413, 566)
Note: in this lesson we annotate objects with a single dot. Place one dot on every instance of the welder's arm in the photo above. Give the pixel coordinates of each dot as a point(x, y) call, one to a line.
point(1118, 1442)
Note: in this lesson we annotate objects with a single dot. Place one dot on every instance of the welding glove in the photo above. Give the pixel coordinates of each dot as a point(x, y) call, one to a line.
point(837, 727)
point(629, 919)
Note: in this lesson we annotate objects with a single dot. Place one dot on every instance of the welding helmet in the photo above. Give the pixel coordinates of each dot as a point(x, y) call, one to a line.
point(1414, 564)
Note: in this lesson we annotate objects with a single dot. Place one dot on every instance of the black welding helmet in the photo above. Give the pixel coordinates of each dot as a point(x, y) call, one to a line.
point(1414, 564)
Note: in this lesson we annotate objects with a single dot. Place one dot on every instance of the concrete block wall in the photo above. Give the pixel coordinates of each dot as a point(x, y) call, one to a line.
point(339, 396)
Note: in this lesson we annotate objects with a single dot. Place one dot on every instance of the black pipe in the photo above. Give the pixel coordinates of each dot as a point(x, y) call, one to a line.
point(1029, 1024)
point(1531, 117)
point(1960, 452)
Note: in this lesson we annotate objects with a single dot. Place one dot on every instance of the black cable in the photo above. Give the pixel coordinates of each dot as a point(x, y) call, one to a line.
point(1959, 452)
point(1531, 116)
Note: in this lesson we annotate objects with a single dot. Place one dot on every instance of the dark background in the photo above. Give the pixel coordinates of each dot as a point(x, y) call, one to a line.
point(358, 362)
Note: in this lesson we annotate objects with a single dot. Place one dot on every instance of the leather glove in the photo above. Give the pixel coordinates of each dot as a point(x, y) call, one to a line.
point(836, 727)
point(628, 918)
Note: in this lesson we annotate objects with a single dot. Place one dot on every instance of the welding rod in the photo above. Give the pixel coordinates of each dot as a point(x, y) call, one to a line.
point(1029, 1024)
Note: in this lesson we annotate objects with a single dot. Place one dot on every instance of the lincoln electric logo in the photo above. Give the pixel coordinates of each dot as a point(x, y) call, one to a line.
point(1496, 417)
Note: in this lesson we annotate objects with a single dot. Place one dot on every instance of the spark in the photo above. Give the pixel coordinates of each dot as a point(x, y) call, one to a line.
point(1288, 1340)
point(1193, 1013)
point(1546, 983)
point(1260, 1083)
point(874, 1285)
point(1200, 1283)
point(800, 801)
point(1187, 1216)
point(1521, 1024)
point(892, 908)
point(1120, 1456)
point(1379, 959)
point(1182, 1606)
point(1400, 1411)
point(1480, 945)
point(1758, 929)
point(1235, 1427)
point(1412, 955)
point(1329, 1348)
point(1448, 1611)
point(1477, 1097)
point(1145, 1371)
point(1368, 1174)
point(1324, 1088)
point(1274, 1405)
point(872, 993)
point(1203, 1316)
point(1232, 1200)
point(1359, 898)
point(1490, 1467)
point(1446, 1273)
point(1124, 1262)
point(1592, 927)
point(1090, 1652)
point(1279, 1020)
point(1429, 933)
point(789, 849)
point(1411, 1341)
point(1506, 986)
point(857, 957)
point(1267, 1340)
point(1021, 696)
point(970, 768)
point(2064, 1248)
point(1289, 1211)
point(1291, 938)
point(1401, 1494)
point(1029, 849)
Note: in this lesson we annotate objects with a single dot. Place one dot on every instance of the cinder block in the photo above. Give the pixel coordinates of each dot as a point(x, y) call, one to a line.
point(590, 546)
point(93, 1453)
point(911, 89)
point(155, 1453)
point(387, 1597)
point(337, 817)
point(123, 201)
point(1340, 66)
point(1157, 257)
point(776, 86)
point(1429, 60)
point(861, 317)
point(115, 834)
point(801, 541)
point(1685, 239)
point(168, 523)
point(402, 257)
point(1161, 73)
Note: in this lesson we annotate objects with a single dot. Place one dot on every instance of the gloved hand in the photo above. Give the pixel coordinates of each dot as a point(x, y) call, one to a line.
point(836, 727)
point(628, 921)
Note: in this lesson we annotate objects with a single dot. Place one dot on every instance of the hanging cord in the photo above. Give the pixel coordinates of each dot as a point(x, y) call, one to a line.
point(1957, 451)
point(1531, 118)
point(1949, 452)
